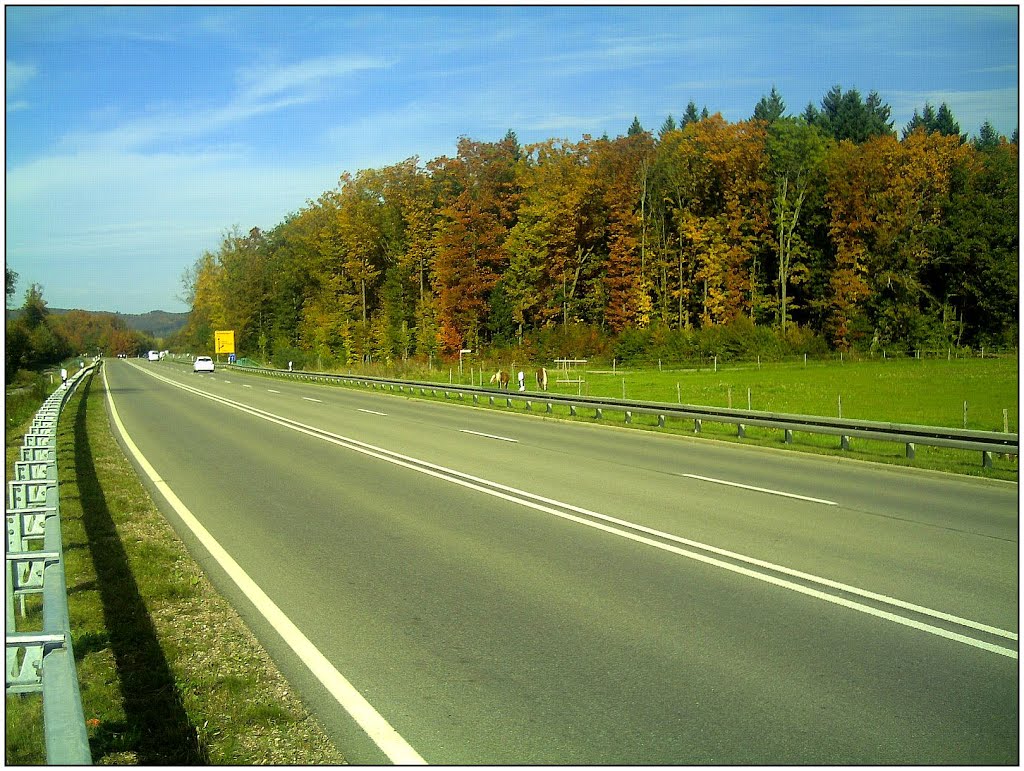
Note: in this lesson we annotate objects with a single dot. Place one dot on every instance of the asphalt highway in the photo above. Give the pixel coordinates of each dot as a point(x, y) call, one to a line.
point(508, 589)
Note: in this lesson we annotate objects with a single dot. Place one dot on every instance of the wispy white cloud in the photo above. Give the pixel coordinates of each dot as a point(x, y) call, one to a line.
point(18, 76)
point(131, 219)
point(304, 80)
point(970, 108)
point(261, 90)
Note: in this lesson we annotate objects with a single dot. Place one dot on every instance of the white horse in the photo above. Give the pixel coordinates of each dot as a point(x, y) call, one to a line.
point(542, 379)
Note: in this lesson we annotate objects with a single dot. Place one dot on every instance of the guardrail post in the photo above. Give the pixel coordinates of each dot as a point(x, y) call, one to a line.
point(911, 451)
point(986, 459)
point(697, 422)
point(549, 408)
point(508, 401)
point(43, 661)
point(629, 416)
point(572, 410)
point(491, 401)
point(529, 406)
point(844, 442)
point(741, 430)
point(788, 439)
point(598, 413)
point(661, 421)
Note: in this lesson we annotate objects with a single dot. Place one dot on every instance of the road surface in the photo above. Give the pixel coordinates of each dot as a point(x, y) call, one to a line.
point(504, 589)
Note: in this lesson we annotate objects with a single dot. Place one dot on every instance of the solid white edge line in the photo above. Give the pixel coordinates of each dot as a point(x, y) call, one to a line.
point(310, 399)
point(761, 489)
point(372, 412)
point(460, 478)
point(379, 730)
point(489, 436)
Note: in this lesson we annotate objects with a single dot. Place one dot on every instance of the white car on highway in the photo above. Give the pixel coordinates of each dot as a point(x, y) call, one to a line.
point(202, 364)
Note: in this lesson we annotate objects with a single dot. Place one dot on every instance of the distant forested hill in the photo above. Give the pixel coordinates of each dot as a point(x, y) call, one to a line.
point(155, 323)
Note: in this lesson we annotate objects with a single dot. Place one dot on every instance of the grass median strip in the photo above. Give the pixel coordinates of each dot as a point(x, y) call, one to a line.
point(169, 672)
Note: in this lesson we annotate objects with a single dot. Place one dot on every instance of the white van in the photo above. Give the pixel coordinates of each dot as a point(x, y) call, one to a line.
point(154, 355)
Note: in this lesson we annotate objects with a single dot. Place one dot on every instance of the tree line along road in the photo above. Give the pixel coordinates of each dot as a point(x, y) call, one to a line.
point(503, 589)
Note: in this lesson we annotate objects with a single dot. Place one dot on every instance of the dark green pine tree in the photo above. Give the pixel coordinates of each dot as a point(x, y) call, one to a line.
point(988, 137)
point(940, 122)
point(770, 108)
point(847, 116)
point(946, 125)
point(667, 126)
point(690, 116)
point(915, 123)
point(635, 129)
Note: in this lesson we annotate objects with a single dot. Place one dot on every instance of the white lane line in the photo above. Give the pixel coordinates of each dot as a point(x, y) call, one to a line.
point(372, 412)
point(489, 436)
point(308, 399)
point(245, 385)
point(271, 390)
point(353, 702)
point(523, 498)
point(761, 489)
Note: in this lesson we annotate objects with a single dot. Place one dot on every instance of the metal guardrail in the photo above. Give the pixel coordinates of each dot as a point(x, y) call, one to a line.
point(985, 442)
point(43, 661)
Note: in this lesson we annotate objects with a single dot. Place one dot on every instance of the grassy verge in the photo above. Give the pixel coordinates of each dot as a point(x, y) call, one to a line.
point(169, 673)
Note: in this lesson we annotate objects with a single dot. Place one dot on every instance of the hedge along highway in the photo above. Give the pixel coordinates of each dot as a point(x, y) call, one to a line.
point(948, 626)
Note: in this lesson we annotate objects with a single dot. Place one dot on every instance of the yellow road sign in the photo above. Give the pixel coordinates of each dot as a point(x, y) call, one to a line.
point(224, 342)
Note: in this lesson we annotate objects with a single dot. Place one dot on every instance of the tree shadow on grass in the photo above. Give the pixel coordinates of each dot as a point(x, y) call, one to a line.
point(156, 724)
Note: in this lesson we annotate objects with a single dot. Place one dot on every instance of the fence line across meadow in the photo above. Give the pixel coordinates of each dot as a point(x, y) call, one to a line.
point(985, 442)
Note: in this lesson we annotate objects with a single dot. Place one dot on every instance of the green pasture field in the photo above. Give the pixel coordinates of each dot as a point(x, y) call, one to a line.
point(926, 391)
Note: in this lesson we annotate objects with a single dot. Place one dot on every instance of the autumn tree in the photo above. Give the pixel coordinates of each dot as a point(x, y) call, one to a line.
point(622, 163)
point(480, 207)
point(712, 177)
point(797, 151)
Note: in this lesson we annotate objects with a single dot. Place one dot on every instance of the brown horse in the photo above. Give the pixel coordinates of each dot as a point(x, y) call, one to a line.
point(542, 379)
point(501, 378)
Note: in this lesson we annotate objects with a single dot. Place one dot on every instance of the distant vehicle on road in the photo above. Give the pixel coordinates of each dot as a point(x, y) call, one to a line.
point(202, 364)
point(154, 355)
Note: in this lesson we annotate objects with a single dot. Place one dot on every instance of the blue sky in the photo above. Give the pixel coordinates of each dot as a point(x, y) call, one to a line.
point(137, 136)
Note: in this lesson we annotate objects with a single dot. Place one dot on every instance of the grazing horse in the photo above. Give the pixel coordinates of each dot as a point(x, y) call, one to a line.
point(501, 378)
point(542, 379)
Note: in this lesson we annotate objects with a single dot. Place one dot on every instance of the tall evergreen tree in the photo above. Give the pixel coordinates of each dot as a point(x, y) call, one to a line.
point(690, 116)
point(988, 138)
point(667, 126)
point(946, 125)
point(770, 108)
point(847, 116)
point(635, 128)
